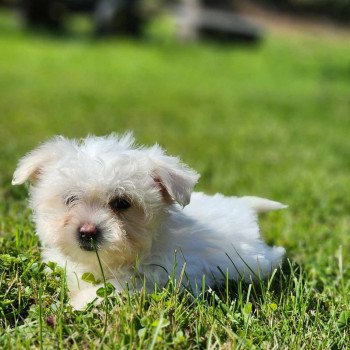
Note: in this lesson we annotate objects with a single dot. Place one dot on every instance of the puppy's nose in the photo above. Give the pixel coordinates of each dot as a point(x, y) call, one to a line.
point(88, 230)
point(89, 237)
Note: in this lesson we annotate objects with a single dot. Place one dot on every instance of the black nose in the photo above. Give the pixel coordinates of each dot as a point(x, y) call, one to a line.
point(88, 236)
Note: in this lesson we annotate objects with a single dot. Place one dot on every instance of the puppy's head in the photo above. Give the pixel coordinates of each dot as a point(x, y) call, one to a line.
point(102, 192)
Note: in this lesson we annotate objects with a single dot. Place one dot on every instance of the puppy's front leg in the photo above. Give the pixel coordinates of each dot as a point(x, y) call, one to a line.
point(82, 297)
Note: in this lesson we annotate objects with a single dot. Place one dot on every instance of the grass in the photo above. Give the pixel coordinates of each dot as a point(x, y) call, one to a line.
point(272, 121)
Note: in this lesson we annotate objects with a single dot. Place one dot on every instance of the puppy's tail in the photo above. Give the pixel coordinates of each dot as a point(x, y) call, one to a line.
point(262, 205)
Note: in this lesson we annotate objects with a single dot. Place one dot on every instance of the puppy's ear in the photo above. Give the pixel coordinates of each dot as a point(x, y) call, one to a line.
point(33, 163)
point(175, 179)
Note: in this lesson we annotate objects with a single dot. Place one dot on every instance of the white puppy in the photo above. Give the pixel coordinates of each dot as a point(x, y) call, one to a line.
point(128, 203)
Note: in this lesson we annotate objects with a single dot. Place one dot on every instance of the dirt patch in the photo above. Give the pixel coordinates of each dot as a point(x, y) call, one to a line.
point(274, 20)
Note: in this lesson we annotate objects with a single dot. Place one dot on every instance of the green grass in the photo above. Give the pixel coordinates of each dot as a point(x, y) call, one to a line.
point(272, 120)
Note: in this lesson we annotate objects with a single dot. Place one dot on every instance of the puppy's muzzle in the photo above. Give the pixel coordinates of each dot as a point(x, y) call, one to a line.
point(89, 235)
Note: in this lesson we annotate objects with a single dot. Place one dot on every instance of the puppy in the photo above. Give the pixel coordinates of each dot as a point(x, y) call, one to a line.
point(132, 204)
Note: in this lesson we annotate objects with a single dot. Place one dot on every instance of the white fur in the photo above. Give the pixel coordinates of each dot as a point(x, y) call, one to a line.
point(211, 236)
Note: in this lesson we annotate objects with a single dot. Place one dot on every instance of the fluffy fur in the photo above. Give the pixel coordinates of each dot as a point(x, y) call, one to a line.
point(79, 184)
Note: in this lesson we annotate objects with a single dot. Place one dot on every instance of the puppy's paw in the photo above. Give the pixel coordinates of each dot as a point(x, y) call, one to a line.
point(80, 299)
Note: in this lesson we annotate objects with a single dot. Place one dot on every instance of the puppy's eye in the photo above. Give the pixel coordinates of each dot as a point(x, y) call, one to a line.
point(119, 204)
point(70, 200)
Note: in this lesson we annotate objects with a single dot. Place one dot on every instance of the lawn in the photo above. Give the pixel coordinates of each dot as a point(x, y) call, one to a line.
point(271, 120)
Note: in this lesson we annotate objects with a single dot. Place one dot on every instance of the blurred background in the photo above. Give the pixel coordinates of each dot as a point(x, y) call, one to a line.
point(255, 95)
